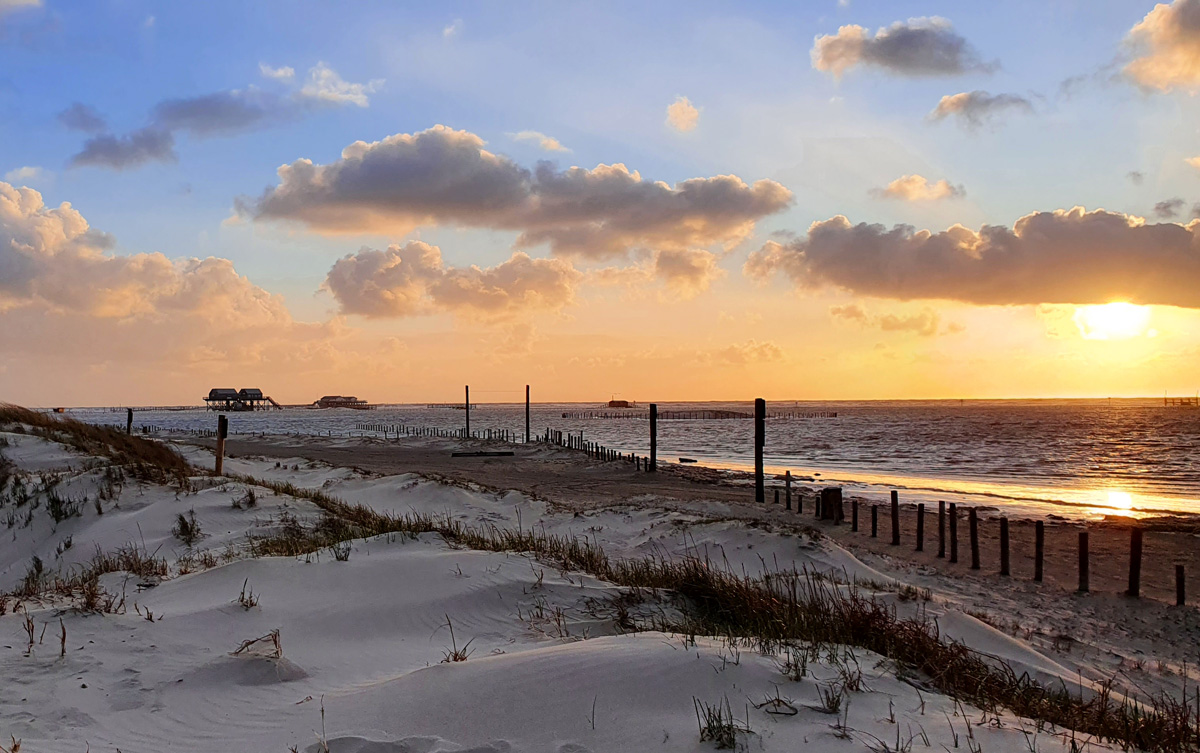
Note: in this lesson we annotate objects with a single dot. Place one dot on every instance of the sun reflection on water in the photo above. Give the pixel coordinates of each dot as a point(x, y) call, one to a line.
point(1120, 501)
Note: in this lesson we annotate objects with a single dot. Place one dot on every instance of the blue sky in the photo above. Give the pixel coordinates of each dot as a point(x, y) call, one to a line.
point(597, 77)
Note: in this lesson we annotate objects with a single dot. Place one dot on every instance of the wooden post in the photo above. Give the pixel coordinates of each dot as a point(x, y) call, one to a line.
point(787, 482)
point(854, 515)
point(1039, 549)
point(527, 414)
point(468, 391)
point(1004, 546)
point(953, 533)
point(777, 496)
point(1180, 595)
point(831, 504)
point(973, 521)
point(654, 439)
point(941, 529)
point(222, 432)
point(1135, 563)
point(129, 420)
point(874, 521)
point(760, 439)
point(895, 518)
point(1083, 561)
point(920, 526)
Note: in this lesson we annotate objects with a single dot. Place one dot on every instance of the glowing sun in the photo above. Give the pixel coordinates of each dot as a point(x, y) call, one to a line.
point(1113, 321)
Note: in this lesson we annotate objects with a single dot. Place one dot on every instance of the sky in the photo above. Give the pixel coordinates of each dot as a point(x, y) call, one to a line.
point(837, 199)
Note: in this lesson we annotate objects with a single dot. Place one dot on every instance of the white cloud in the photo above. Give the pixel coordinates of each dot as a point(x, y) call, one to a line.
point(1167, 45)
point(1194, 162)
point(324, 84)
point(918, 188)
point(282, 73)
point(27, 174)
point(7, 6)
point(453, 28)
point(549, 143)
point(682, 115)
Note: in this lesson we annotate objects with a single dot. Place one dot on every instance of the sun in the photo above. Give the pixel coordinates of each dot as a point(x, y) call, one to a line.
point(1113, 321)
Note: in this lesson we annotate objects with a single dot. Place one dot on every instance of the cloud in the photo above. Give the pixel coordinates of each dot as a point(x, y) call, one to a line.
point(410, 279)
point(150, 144)
point(446, 177)
point(549, 143)
point(80, 117)
point(283, 73)
point(29, 174)
point(1194, 162)
point(687, 272)
point(1136, 177)
point(452, 29)
point(916, 47)
point(925, 323)
point(9, 6)
point(1066, 256)
point(975, 108)
point(1166, 44)
point(742, 354)
point(682, 115)
point(1168, 209)
point(918, 188)
point(221, 113)
point(325, 85)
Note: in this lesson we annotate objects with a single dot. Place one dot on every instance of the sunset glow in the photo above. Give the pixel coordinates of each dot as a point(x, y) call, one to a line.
point(1113, 321)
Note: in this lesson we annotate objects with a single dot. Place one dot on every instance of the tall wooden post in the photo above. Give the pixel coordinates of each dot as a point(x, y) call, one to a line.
point(973, 520)
point(874, 521)
point(941, 529)
point(654, 440)
point(787, 482)
point(895, 518)
point(1039, 549)
point(854, 514)
point(1083, 561)
point(1004, 546)
point(920, 526)
point(527, 414)
point(129, 420)
point(222, 432)
point(760, 440)
point(467, 389)
point(1180, 594)
point(1135, 563)
point(953, 533)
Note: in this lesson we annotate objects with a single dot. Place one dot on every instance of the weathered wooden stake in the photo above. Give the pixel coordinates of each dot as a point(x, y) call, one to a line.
point(941, 528)
point(895, 518)
point(468, 391)
point(1180, 595)
point(1039, 549)
point(776, 496)
point(1135, 563)
point(1083, 561)
point(973, 521)
point(654, 439)
point(874, 521)
point(1004, 546)
point(787, 482)
point(527, 414)
point(760, 440)
point(129, 420)
point(953, 533)
point(222, 432)
point(920, 526)
point(854, 515)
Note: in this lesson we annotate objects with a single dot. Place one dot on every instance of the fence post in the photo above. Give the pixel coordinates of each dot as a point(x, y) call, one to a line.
point(920, 526)
point(654, 439)
point(1083, 561)
point(973, 521)
point(953, 532)
point(760, 439)
point(527, 414)
point(468, 392)
point(854, 514)
point(1179, 592)
point(1135, 563)
point(895, 518)
point(874, 521)
point(787, 481)
point(1039, 549)
point(1004, 546)
point(776, 496)
point(129, 420)
point(941, 528)
point(222, 432)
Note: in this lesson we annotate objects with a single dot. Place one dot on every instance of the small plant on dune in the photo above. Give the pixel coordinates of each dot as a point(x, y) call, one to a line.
point(718, 725)
point(340, 551)
point(13, 747)
point(454, 653)
point(247, 598)
point(830, 698)
point(271, 639)
point(187, 528)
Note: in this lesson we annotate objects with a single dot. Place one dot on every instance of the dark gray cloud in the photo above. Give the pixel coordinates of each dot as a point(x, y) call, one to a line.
point(975, 108)
point(916, 47)
point(443, 176)
point(1065, 256)
point(221, 113)
point(81, 117)
point(122, 152)
point(410, 279)
point(925, 322)
point(1169, 209)
point(1136, 177)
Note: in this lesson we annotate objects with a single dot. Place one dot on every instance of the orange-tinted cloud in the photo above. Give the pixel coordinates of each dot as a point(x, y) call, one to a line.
point(918, 188)
point(682, 115)
point(916, 47)
point(1167, 45)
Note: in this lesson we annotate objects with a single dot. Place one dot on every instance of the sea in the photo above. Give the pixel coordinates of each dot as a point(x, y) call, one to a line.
point(1074, 458)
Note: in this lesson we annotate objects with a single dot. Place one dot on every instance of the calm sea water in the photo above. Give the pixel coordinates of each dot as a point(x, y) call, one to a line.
point(1070, 457)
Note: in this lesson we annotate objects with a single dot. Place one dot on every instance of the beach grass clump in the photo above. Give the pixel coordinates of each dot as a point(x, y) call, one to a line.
point(82, 584)
point(187, 528)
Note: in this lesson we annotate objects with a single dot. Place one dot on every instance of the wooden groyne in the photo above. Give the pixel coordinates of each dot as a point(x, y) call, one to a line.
point(692, 415)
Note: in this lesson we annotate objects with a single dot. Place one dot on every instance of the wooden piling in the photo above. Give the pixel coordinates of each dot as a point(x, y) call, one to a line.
point(1135, 563)
point(654, 440)
point(874, 521)
point(527, 414)
point(1004, 546)
point(760, 440)
point(222, 433)
point(920, 526)
point(953, 533)
point(895, 518)
point(973, 522)
point(468, 391)
point(776, 496)
point(787, 482)
point(1180, 595)
point(941, 529)
point(1039, 549)
point(1083, 561)
point(129, 420)
point(854, 515)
